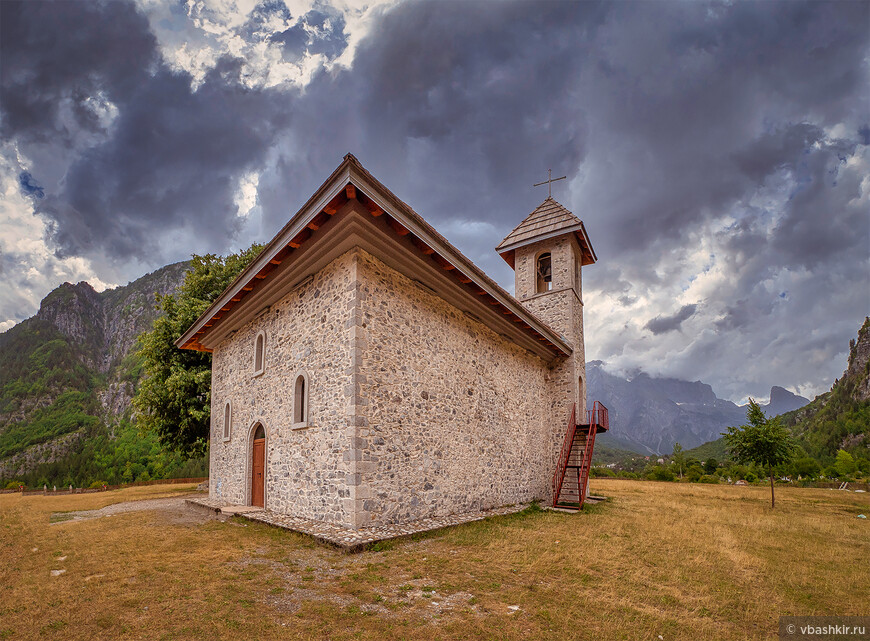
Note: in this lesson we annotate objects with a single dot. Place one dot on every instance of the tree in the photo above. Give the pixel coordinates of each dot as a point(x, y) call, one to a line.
point(806, 467)
point(174, 398)
point(711, 465)
point(679, 458)
point(845, 463)
point(765, 442)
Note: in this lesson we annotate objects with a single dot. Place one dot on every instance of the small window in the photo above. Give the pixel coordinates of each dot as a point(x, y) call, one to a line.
point(544, 273)
point(228, 420)
point(260, 354)
point(300, 401)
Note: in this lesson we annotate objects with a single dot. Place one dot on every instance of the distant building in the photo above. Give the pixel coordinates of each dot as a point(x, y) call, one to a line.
point(365, 372)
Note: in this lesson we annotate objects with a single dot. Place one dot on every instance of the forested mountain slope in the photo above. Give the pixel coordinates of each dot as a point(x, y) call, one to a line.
point(66, 379)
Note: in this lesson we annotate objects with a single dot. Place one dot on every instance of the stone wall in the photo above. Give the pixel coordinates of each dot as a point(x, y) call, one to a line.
point(416, 409)
point(306, 469)
point(452, 417)
point(562, 309)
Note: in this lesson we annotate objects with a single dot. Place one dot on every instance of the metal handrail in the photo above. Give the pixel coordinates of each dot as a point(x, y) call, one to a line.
point(598, 416)
point(564, 455)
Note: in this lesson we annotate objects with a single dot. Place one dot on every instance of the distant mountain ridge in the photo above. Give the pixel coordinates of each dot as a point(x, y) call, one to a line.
point(67, 373)
point(650, 414)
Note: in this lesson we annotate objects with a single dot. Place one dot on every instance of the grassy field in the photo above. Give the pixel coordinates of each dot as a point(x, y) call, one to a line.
point(659, 560)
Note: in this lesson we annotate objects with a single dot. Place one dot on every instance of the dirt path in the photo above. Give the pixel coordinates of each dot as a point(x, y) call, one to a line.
point(175, 506)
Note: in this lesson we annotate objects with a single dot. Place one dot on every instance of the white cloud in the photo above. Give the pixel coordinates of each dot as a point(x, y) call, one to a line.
point(28, 265)
point(195, 40)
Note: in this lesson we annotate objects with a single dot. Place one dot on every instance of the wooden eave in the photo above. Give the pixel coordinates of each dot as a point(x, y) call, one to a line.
point(352, 208)
point(588, 256)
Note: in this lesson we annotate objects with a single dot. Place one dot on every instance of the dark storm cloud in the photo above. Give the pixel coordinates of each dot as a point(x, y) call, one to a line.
point(686, 95)
point(57, 53)
point(673, 121)
point(173, 161)
point(174, 155)
point(461, 111)
point(662, 324)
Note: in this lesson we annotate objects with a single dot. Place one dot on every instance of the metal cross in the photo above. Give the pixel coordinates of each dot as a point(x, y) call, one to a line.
point(549, 183)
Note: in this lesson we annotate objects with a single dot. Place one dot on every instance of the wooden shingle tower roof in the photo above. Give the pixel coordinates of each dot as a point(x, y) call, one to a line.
point(549, 219)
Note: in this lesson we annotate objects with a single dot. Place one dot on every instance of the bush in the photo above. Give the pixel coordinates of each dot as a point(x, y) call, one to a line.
point(806, 467)
point(709, 478)
point(599, 472)
point(660, 473)
point(751, 477)
point(13, 485)
point(694, 473)
point(97, 484)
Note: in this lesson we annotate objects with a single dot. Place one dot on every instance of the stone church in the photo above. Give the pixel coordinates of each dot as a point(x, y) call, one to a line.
point(366, 373)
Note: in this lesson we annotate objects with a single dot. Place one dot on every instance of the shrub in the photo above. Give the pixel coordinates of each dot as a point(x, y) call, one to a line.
point(806, 467)
point(97, 484)
point(709, 478)
point(13, 485)
point(660, 473)
point(751, 477)
point(599, 472)
point(694, 473)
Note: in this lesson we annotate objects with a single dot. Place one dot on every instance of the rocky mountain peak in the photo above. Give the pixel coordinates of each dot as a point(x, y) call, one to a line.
point(782, 401)
point(859, 362)
point(76, 311)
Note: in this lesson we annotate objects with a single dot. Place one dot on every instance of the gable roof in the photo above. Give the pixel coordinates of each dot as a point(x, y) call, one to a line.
point(352, 206)
point(549, 219)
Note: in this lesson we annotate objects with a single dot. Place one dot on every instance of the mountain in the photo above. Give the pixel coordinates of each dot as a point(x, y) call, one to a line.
point(835, 420)
point(839, 419)
point(781, 401)
point(650, 414)
point(67, 376)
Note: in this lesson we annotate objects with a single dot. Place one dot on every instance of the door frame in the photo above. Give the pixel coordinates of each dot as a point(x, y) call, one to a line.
point(249, 464)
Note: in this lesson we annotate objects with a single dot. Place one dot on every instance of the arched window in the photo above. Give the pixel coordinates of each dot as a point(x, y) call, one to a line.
point(260, 354)
point(544, 273)
point(228, 420)
point(300, 401)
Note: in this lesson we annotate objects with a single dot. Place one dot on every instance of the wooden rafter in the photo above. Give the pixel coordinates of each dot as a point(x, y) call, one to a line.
point(400, 229)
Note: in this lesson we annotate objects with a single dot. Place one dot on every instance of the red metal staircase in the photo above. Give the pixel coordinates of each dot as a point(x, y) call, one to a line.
point(575, 458)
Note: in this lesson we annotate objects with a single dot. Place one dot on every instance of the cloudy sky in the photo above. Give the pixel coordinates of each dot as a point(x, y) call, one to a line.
point(717, 152)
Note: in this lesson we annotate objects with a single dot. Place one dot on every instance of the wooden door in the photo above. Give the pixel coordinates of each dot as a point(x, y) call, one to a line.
point(258, 469)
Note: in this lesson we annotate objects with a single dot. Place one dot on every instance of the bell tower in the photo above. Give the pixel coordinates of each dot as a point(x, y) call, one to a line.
point(547, 252)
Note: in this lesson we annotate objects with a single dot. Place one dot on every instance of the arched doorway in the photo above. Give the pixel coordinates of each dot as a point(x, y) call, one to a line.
point(258, 467)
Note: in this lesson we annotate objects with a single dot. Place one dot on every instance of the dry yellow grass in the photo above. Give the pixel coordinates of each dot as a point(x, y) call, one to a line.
point(681, 561)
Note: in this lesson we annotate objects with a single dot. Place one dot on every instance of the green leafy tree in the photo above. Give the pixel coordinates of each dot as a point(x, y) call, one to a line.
point(765, 442)
point(678, 457)
point(695, 472)
point(711, 465)
point(806, 467)
point(845, 463)
point(174, 398)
